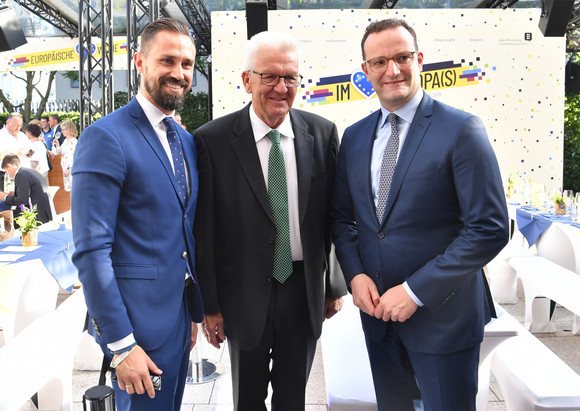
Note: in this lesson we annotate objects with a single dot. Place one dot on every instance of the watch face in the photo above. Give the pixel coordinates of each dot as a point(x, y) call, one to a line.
point(156, 380)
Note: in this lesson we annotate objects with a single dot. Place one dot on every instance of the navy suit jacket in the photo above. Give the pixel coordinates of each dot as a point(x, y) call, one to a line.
point(133, 235)
point(445, 219)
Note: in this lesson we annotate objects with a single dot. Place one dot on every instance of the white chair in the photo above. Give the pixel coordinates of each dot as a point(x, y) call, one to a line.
point(89, 355)
point(554, 245)
point(40, 359)
point(531, 377)
point(544, 278)
point(347, 371)
point(573, 234)
point(37, 297)
point(51, 193)
point(503, 278)
point(495, 333)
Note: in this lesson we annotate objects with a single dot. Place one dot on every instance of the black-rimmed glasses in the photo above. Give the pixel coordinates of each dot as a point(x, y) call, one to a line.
point(269, 79)
point(402, 60)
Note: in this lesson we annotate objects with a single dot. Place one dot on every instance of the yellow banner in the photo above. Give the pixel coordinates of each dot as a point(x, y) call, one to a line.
point(58, 53)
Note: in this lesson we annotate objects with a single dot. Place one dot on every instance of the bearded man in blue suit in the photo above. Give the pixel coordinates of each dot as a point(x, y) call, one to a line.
point(418, 210)
point(133, 203)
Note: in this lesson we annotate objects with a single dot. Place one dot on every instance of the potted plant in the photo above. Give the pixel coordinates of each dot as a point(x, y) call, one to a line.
point(559, 205)
point(28, 224)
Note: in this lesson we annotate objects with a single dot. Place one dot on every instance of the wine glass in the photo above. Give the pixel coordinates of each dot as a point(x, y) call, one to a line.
point(568, 197)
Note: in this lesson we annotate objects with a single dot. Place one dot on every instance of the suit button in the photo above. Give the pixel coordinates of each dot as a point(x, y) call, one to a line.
point(271, 240)
point(184, 255)
point(268, 279)
point(377, 274)
point(381, 235)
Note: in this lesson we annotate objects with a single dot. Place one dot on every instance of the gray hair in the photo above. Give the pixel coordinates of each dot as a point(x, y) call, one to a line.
point(268, 39)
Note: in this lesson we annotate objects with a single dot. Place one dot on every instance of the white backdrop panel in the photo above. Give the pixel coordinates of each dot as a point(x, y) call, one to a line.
point(493, 63)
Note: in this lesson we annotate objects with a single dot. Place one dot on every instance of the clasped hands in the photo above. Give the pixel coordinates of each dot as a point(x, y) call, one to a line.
point(394, 305)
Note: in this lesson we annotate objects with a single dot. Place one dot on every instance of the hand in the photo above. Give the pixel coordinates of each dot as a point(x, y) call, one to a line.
point(133, 373)
point(332, 306)
point(3, 195)
point(396, 305)
point(365, 294)
point(213, 329)
point(193, 335)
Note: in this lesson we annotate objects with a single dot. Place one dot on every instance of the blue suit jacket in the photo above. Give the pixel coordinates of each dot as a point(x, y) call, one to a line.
point(445, 219)
point(133, 235)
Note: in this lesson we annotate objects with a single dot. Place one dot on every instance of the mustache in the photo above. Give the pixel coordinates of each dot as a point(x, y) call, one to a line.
point(165, 80)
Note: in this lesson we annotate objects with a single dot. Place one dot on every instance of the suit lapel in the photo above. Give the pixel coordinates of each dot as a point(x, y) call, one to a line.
point(244, 147)
point(417, 130)
point(362, 172)
point(303, 146)
point(146, 130)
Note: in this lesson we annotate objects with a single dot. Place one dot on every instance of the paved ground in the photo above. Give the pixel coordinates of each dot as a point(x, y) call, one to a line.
point(216, 395)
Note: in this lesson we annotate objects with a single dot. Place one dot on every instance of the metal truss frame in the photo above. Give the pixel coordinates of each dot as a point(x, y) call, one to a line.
point(50, 15)
point(95, 66)
point(198, 18)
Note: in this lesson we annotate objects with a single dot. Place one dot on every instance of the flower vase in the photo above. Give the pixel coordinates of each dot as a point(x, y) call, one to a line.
point(559, 209)
point(30, 238)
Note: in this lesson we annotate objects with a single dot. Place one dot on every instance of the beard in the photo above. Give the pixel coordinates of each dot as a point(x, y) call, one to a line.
point(165, 100)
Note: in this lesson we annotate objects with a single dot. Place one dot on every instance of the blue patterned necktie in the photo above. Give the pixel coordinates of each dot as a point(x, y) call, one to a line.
point(278, 193)
point(388, 167)
point(177, 156)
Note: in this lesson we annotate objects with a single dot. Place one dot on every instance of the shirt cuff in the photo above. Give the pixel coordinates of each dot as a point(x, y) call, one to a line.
point(123, 343)
point(412, 294)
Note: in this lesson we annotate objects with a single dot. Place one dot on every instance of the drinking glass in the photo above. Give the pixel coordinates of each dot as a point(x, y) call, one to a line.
point(568, 197)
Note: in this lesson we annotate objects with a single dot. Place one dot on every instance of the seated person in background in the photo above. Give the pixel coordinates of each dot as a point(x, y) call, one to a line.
point(28, 184)
point(38, 161)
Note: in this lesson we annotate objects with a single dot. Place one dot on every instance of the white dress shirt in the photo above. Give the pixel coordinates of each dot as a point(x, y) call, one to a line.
point(263, 144)
point(13, 145)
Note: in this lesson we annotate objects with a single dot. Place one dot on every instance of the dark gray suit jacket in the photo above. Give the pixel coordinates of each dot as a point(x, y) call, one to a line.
point(30, 184)
point(234, 227)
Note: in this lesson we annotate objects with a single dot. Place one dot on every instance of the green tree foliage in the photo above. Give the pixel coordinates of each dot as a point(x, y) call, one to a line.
point(194, 112)
point(572, 142)
point(31, 80)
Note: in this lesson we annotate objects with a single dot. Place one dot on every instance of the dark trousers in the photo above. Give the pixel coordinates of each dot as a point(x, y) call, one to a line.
point(287, 343)
point(444, 382)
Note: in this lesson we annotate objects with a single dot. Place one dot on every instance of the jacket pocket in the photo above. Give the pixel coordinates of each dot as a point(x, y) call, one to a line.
point(145, 272)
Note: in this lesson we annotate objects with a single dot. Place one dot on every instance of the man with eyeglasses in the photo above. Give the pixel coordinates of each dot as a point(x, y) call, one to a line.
point(263, 230)
point(418, 210)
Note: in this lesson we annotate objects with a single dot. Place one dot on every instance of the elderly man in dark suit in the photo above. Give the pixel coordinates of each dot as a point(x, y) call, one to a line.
point(418, 211)
point(263, 232)
point(29, 187)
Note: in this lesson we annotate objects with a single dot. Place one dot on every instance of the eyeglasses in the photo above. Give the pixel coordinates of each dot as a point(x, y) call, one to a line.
point(269, 79)
point(402, 60)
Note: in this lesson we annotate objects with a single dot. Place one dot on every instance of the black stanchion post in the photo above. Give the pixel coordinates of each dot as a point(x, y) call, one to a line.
point(99, 398)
